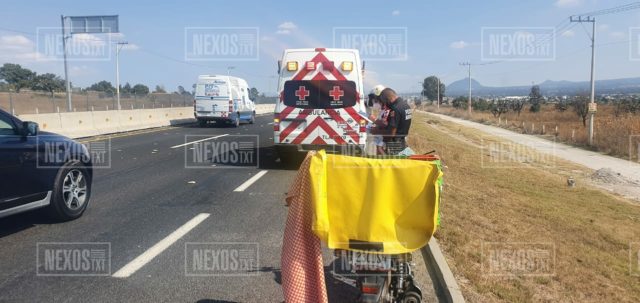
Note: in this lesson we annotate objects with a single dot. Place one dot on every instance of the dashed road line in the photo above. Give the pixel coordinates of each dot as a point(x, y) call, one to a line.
point(157, 249)
point(251, 180)
point(206, 139)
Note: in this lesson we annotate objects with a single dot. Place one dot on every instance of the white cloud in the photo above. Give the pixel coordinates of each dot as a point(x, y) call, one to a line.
point(16, 48)
point(130, 47)
point(568, 33)
point(285, 28)
point(603, 27)
point(459, 44)
point(618, 35)
point(395, 13)
point(80, 71)
point(568, 3)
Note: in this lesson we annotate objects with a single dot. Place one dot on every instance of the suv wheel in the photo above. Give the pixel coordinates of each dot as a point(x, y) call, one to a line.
point(71, 192)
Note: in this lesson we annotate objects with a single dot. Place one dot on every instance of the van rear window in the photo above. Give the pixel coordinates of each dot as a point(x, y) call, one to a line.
point(320, 94)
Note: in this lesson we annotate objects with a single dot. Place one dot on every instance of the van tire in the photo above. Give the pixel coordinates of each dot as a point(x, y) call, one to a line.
point(202, 123)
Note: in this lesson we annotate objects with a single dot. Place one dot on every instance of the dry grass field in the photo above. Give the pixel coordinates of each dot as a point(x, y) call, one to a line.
point(613, 135)
point(28, 102)
point(518, 233)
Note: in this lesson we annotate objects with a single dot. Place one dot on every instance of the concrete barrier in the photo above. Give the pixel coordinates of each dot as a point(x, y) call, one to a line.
point(262, 109)
point(86, 124)
point(106, 122)
point(48, 122)
point(77, 124)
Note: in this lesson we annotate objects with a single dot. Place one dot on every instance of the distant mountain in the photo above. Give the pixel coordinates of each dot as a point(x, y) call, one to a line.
point(548, 88)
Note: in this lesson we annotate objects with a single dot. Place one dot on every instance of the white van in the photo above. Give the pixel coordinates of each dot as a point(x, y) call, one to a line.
point(322, 103)
point(223, 99)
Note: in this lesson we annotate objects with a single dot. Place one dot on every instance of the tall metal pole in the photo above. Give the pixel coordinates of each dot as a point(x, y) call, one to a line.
point(66, 71)
point(593, 83)
point(119, 46)
point(467, 64)
point(592, 103)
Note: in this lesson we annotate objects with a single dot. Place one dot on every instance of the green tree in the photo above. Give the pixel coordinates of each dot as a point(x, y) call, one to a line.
point(499, 107)
point(535, 98)
point(49, 83)
point(160, 89)
point(126, 89)
point(102, 86)
point(140, 89)
point(480, 105)
point(17, 76)
point(430, 88)
point(460, 102)
point(253, 94)
point(517, 105)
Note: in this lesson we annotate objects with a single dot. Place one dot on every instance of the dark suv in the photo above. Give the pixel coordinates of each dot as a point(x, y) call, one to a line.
point(41, 169)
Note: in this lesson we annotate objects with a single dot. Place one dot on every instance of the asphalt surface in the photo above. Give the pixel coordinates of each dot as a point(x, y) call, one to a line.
point(142, 199)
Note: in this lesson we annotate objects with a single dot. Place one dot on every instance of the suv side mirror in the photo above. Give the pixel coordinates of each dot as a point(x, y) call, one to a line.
point(30, 128)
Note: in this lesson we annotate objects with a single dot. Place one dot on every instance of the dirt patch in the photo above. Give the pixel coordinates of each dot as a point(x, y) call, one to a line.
point(612, 181)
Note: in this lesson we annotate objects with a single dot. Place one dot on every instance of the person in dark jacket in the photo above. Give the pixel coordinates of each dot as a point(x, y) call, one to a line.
point(399, 121)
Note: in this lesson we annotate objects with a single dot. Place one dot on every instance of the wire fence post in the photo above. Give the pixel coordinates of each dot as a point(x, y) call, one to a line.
point(13, 110)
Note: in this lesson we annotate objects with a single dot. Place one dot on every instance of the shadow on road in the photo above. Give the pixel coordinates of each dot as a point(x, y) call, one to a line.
point(17, 223)
point(339, 289)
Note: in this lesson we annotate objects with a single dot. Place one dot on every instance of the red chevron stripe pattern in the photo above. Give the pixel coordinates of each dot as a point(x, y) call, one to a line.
point(303, 128)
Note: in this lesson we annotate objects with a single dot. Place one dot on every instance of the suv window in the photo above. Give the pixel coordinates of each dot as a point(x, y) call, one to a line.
point(6, 126)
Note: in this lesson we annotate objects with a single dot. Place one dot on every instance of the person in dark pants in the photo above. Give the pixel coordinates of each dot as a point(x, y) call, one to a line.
point(399, 121)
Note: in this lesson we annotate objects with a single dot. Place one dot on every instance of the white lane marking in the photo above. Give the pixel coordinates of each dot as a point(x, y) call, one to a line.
point(157, 249)
point(252, 180)
point(271, 123)
point(211, 138)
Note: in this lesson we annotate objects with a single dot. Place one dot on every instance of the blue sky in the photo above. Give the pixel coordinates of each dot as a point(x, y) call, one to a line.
point(439, 35)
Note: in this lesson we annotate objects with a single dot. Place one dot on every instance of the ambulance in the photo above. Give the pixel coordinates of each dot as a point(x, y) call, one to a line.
point(223, 99)
point(321, 104)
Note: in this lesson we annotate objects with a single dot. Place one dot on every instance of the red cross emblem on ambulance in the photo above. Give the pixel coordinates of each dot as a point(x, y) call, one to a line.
point(302, 93)
point(336, 93)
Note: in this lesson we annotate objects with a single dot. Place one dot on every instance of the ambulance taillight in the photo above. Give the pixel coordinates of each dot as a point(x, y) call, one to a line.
point(347, 66)
point(363, 125)
point(292, 66)
point(276, 124)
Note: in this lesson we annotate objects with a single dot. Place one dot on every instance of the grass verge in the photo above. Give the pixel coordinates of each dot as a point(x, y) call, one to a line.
point(494, 220)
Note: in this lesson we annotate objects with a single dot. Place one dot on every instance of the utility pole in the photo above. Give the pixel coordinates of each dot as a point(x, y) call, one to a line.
point(467, 64)
point(592, 103)
point(66, 70)
point(119, 46)
point(438, 96)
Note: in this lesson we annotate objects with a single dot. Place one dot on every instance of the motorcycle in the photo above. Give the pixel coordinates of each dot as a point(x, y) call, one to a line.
point(381, 278)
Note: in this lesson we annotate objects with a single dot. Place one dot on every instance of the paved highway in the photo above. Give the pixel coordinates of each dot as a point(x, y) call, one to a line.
point(148, 206)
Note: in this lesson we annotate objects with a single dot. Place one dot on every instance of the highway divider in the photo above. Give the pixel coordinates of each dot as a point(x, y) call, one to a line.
point(95, 123)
